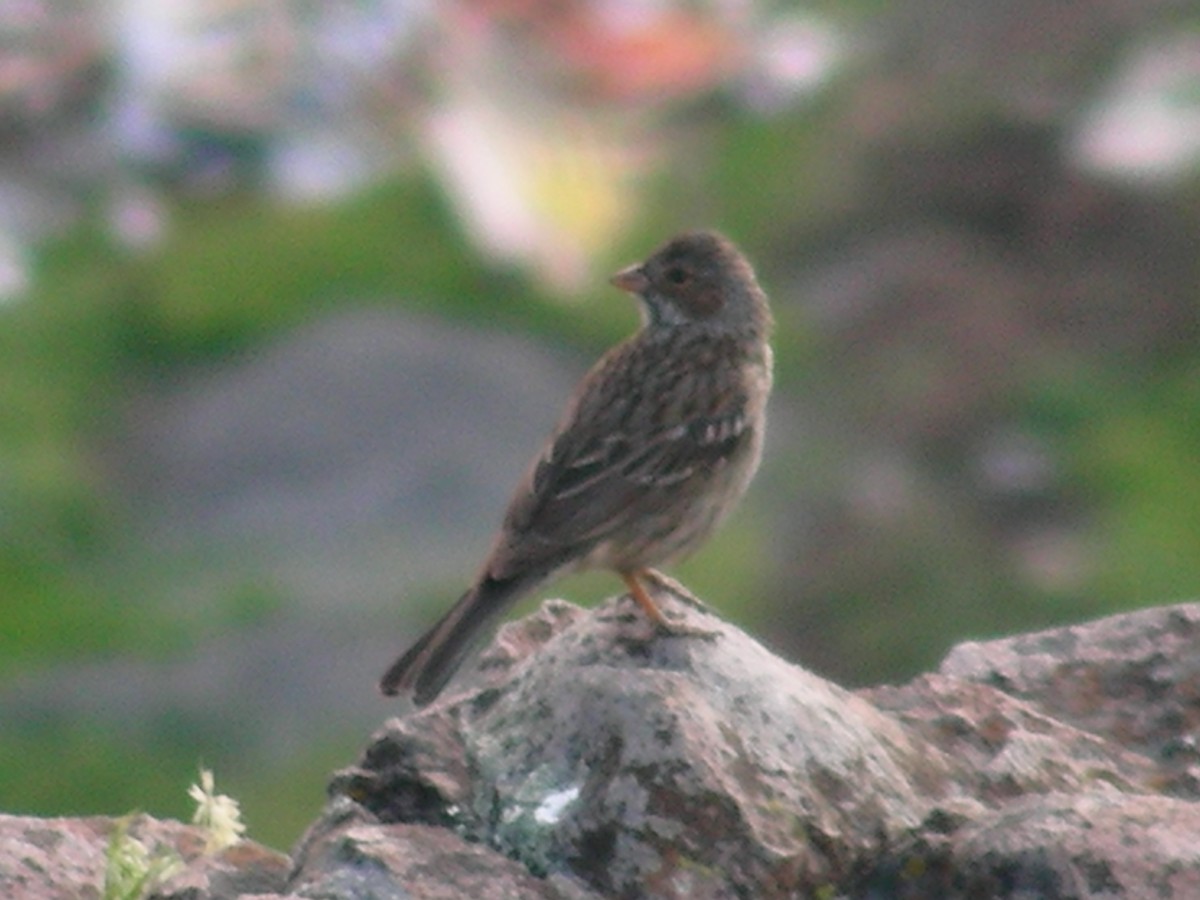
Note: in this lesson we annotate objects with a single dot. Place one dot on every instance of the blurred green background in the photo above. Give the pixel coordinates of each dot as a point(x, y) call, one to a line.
point(289, 297)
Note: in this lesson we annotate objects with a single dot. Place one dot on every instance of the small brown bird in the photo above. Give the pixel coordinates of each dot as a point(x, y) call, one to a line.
point(657, 444)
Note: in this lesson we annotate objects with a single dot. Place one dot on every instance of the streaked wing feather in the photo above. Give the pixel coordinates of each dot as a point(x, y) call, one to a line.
point(581, 495)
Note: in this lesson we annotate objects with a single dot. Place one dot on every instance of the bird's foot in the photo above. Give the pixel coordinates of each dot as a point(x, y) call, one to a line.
point(682, 629)
point(662, 624)
point(676, 589)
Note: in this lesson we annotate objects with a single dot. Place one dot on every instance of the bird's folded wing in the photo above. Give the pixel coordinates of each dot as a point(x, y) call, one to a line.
point(581, 493)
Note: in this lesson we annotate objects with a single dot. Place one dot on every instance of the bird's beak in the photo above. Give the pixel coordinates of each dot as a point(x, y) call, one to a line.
point(632, 280)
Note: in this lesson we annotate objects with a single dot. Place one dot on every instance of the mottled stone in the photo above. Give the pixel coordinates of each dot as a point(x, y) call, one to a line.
point(684, 766)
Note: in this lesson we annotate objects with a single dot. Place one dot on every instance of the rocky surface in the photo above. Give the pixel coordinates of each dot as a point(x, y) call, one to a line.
point(66, 859)
point(1134, 679)
point(586, 757)
point(687, 767)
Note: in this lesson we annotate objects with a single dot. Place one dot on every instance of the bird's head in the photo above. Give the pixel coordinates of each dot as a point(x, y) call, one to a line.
point(698, 278)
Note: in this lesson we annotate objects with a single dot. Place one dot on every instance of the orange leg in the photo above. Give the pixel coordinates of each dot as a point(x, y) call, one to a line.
point(638, 592)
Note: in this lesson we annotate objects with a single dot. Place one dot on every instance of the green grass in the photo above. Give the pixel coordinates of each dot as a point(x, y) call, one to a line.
point(1143, 458)
point(56, 608)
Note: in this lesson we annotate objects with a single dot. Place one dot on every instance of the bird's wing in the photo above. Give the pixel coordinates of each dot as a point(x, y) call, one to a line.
point(591, 483)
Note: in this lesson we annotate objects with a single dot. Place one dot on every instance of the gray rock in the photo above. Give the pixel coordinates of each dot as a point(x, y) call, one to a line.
point(49, 859)
point(396, 862)
point(1132, 679)
point(584, 756)
point(1002, 748)
point(643, 765)
point(66, 858)
point(1042, 847)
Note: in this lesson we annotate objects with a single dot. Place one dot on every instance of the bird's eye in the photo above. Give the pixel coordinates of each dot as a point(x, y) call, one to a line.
point(677, 275)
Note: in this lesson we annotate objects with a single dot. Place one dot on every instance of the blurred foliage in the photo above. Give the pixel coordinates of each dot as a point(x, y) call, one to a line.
point(1138, 449)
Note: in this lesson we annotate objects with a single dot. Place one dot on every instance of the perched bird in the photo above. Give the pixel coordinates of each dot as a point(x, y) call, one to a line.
point(657, 444)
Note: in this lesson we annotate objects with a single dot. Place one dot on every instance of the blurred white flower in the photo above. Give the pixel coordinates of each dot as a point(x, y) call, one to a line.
point(217, 814)
point(550, 194)
point(1146, 125)
point(794, 57)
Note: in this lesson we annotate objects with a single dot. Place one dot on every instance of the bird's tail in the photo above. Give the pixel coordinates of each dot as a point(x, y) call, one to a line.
point(433, 660)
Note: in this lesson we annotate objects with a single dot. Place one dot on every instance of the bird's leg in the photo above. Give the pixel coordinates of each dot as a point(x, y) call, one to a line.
point(638, 592)
point(675, 587)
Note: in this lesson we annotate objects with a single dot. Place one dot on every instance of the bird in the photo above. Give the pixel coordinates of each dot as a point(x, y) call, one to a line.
point(655, 447)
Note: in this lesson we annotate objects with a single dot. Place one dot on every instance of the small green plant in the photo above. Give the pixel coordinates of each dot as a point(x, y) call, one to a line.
point(132, 870)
